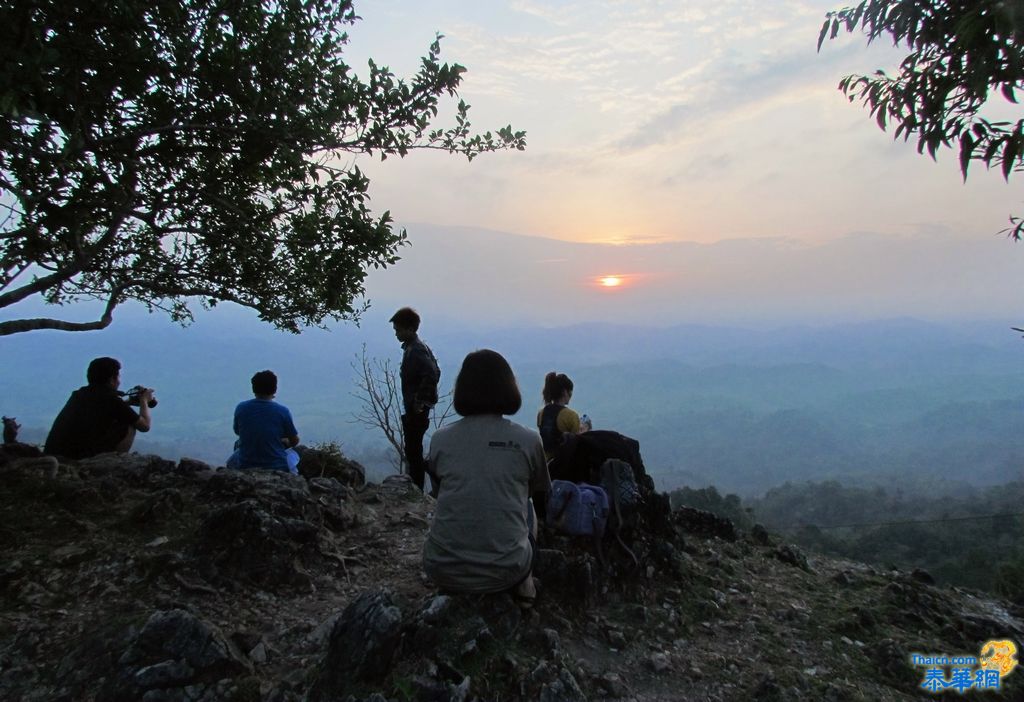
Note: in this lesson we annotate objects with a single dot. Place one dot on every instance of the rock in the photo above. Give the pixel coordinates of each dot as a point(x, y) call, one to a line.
point(319, 637)
point(436, 609)
point(842, 578)
point(616, 639)
point(552, 641)
point(893, 662)
point(158, 508)
point(922, 576)
point(173, 648)
point(563, 689)
point(71, 555)
point(330, 463)
point(760, 536)
point(132, 468)
point(246, 542)
point(612, 685)
point(431, 689)
point(330, 486)
point(362, 646)
point(768, 690)
point(163, 674)
point(659, 662)
point(191, 465)
point(702, 523)
point(787, 553)
point(258, 654)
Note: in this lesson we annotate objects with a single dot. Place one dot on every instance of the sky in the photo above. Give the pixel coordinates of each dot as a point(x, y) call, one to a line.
point(692, 123)
point(696, 153)
point(698, 120)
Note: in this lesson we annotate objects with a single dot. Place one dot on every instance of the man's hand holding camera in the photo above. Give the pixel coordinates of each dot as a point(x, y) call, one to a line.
point(143, 398)
point(139, 395)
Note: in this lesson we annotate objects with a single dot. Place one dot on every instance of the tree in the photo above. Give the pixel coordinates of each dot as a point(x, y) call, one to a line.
point(380, 402)
point(963, 55)
point(200, 151)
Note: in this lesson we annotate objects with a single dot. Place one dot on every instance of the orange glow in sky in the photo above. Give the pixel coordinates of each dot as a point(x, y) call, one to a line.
point(610, 281)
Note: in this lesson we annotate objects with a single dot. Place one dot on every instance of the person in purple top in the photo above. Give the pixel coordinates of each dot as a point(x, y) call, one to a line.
point(266, 432)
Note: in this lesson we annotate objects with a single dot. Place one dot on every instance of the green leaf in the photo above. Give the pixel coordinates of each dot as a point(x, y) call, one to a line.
point(966, 149)
point(1010, 154)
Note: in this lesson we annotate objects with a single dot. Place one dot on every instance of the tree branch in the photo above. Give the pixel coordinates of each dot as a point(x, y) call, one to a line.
point(61, 274)
point(17, 326)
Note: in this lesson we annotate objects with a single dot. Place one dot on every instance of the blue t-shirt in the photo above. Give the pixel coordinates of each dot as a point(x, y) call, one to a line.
point(260, 425)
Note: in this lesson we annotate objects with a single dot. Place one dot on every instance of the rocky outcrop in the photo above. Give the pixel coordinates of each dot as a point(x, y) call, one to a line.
point(131, 577)
point(177, 656)
point(330, 464)
point(362, 647)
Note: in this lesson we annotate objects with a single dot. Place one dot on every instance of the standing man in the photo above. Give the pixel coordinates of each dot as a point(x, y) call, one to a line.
point(95, 419)
point(420, 375)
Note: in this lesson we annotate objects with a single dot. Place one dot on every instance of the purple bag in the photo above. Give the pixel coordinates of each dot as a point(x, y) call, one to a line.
point(577, 509)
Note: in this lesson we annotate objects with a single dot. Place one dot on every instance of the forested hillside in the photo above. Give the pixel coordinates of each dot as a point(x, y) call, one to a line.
point(973, 538)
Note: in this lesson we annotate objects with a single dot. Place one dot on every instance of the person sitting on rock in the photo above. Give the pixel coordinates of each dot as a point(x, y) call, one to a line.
point(483, 537)
point(556, 418)
point(266, 433)
point(96, 419)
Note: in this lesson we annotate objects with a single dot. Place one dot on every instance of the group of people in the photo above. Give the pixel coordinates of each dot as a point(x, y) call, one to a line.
point(488, 474)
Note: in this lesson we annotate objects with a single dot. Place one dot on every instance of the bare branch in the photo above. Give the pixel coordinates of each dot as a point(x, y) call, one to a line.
point(380, 402)
point(62, 274)
point(448, 399)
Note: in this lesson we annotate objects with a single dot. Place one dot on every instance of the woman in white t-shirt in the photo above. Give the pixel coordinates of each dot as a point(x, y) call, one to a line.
point(483, 537)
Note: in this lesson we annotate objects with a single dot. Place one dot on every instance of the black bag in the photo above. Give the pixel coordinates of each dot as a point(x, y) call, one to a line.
point(579, 459)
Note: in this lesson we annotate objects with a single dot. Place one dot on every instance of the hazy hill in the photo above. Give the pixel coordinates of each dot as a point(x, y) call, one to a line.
point(743, 409)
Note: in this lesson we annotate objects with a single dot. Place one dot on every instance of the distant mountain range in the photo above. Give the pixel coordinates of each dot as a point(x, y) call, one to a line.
point(743, 409)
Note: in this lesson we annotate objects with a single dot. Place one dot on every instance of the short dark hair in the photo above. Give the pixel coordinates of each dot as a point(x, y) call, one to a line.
point(264, 383)
point(406, 317)
point(102, 369)
point(555, 385)
point(486, 385)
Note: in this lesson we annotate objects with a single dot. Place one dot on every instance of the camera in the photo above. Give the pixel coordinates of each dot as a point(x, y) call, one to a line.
point(133, 396)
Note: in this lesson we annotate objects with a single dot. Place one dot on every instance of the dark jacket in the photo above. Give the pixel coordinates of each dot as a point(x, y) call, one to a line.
point(94, 420)
point(420, 375)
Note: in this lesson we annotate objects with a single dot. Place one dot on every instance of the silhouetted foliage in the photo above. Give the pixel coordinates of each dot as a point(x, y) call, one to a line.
point(961, 54)
point(171, 152)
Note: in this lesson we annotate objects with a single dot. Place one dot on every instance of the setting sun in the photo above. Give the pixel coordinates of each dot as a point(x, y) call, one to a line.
point(610, 281)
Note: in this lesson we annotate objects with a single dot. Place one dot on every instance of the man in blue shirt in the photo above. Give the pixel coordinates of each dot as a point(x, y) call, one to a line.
point(266, 432)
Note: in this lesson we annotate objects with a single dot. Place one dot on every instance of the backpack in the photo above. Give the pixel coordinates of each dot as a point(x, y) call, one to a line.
point(579, 459)
point(619, 481)
point(579, 510)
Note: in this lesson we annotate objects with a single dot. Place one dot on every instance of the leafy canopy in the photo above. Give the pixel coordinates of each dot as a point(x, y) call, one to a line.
point(964, 54)
point(181, 151)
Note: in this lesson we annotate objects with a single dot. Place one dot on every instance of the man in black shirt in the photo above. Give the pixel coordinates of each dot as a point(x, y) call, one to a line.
point(420, 375)
point(95, 419)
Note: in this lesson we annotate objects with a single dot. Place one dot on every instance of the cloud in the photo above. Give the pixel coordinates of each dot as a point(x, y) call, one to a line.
point(927, 272)
point(729, 87)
